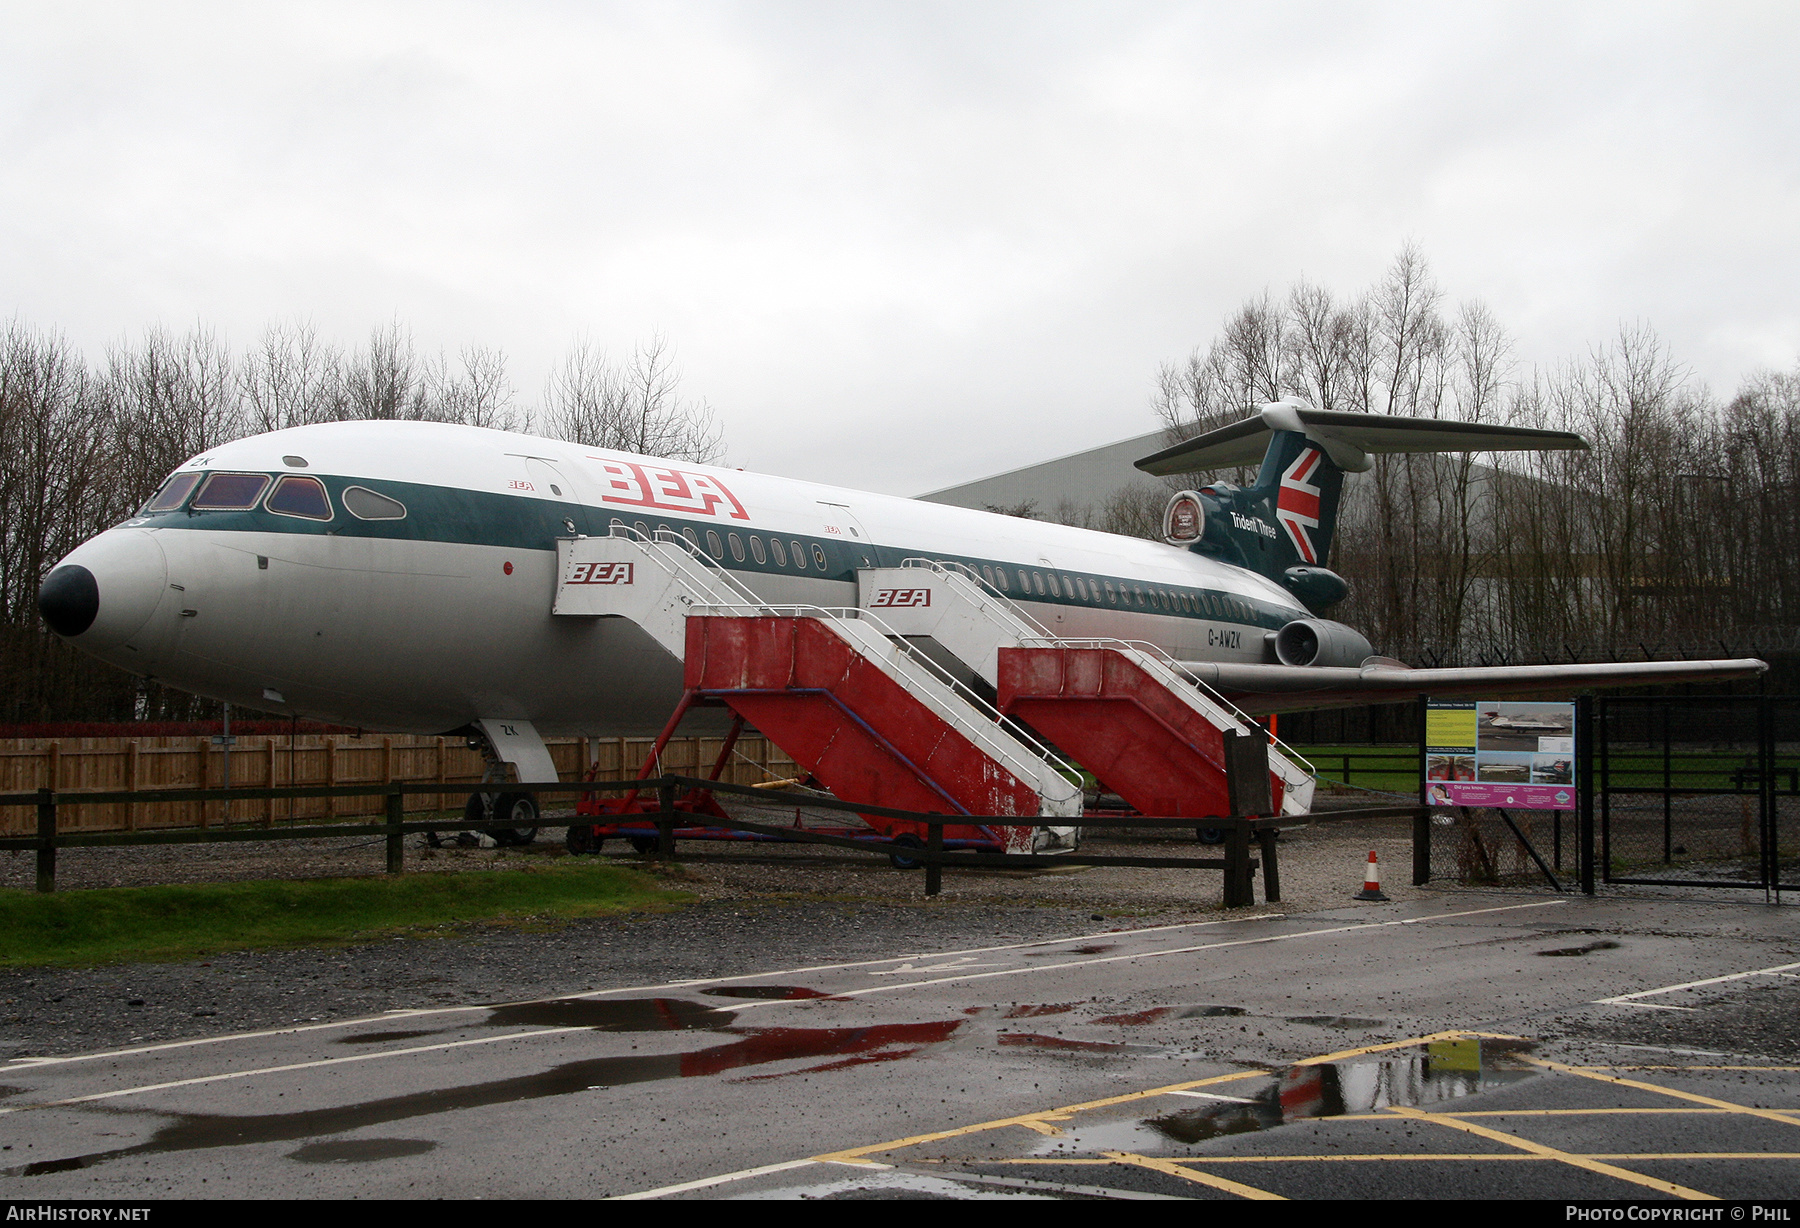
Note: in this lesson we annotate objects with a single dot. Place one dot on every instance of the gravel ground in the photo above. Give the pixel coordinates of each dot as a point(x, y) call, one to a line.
point(758, 906)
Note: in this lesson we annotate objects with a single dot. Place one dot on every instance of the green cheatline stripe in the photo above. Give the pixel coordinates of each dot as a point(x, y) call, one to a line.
point(521, 522)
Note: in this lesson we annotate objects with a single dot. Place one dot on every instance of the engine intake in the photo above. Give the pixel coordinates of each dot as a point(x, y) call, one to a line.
point(1319, 641)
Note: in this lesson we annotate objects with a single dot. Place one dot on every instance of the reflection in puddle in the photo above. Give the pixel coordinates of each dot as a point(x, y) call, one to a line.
point(1445, 1070)
point(1335, 1021)
point(189, 1132)
point(1209, 1012)
point(1028, 1011)
point(615, 1015)
point(361, 1150)
point(772, 993)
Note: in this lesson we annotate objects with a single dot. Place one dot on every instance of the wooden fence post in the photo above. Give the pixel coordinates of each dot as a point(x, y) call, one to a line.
point(46, 853)
point(131, 782)
point(331, 749)
point(396, 841)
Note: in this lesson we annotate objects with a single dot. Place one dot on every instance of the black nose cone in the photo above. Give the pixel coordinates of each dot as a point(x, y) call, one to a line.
point(69, 600)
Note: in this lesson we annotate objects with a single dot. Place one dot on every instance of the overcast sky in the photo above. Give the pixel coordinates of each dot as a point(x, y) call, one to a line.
point(898, 246)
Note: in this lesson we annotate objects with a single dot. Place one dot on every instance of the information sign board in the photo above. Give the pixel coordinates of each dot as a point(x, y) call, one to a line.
point(1516, 754)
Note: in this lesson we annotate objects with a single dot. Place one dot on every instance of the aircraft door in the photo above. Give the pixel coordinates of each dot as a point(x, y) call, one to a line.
point(846, 531)
point(552, 484)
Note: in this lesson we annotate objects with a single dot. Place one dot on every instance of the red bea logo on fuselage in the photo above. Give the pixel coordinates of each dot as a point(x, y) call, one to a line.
point(666, 489)
point(600, 573)
point(891, 597)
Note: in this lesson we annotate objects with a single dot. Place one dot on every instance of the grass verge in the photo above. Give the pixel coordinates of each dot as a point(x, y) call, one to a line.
point(114, 924)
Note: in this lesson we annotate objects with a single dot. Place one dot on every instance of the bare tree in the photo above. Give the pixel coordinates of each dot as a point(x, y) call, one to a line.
point(636, 407)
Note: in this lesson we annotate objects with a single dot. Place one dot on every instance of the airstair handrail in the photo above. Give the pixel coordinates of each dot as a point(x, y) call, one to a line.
point(938, 673)
point(704, 582)
point(987, 589)
point(1161, 657)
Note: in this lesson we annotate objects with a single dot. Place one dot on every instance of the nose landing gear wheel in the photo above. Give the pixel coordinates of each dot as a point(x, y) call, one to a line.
point(519, 810)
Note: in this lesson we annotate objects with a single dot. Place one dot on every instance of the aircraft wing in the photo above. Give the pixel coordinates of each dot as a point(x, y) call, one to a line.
point(1259, 689)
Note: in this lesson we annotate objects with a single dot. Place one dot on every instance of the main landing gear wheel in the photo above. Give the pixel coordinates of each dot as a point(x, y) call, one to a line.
point(1210, 835)
point(898, 859)
point(518, 810)
point(643, 844)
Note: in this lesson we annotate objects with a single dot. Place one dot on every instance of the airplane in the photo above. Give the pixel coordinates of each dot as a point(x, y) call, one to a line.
point(1526, 724)
point(399, 575)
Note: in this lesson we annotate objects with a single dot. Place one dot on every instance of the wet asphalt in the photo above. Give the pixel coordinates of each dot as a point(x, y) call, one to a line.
point(866, 1051)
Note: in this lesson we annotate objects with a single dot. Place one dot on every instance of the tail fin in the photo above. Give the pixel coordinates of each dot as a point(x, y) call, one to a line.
point(1283, 525)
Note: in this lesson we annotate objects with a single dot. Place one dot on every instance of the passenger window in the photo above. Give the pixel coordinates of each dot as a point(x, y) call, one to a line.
point(1054, 590)
point(693, 538)
point(779, 551)
point(231, 492)
point(737, 546)
point(1000, 577)
point(799, 555)
point(643, 529)
point(1111, 594)
point(174, 493)
point(1024, 582)
point(714, 546)
point(302, 497)
point(987, 573)
point(1037, 582)
point(819, 555)
point(756, 549)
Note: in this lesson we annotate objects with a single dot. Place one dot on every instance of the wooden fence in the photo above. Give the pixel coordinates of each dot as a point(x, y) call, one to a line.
point(76, 764)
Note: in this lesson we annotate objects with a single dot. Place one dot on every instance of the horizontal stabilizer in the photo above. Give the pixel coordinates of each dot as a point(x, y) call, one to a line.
point(1350, 439)
point(1287, 688)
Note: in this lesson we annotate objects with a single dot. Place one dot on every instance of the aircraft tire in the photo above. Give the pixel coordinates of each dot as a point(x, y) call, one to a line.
point(643, 844)
point(520, 808)
point(1210, 835)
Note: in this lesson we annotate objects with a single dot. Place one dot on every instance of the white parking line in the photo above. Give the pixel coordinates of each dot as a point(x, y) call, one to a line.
point(739, 1008)
point(1114, 959)
point(425, 1011)
point(265, 1070)
point(1629, 999)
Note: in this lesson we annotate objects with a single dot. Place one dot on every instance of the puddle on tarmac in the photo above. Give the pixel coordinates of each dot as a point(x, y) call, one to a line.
point(1034, 1040)
point(1602, 945)
point(1433, 1074)
point(1335, 1021)
point(1208, 1012)
point(775, 993)
point(360, 1150)
point(1138, 1019)
point(613, 1014)
point(755, 1046)
point(375, 1038)
point(1098, 948)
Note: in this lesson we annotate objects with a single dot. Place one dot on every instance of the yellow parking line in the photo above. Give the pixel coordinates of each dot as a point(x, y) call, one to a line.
point(1041, 1121)
point(1174, 1169)
point(1525, 1144)
point(1380, 1157)
point(1768, 1114)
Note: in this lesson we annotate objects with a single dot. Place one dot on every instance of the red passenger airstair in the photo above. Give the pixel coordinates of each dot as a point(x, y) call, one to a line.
point(1123, 710)
point(865, 713)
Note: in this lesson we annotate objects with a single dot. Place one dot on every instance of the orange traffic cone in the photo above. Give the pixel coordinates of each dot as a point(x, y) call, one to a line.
point(1372, 880)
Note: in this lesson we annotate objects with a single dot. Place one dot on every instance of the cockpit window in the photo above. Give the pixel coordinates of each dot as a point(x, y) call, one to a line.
point(174, 493)
point(231, 492)
point(365, 504)
point(297, 496)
